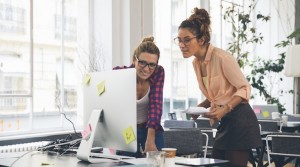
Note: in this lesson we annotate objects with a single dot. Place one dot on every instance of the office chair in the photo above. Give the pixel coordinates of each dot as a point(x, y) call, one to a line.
point(270, 125)
point(203, 123)
point(187, 124)
point(180, 124)
point(188, 141)
point(285, 146)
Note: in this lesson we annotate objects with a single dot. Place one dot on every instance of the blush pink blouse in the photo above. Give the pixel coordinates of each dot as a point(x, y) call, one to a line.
point(224, 76)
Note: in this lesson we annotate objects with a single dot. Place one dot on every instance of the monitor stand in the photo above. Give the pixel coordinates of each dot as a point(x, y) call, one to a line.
point(84, 152)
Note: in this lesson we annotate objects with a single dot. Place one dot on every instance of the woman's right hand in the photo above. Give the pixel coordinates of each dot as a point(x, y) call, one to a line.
point(194, 116)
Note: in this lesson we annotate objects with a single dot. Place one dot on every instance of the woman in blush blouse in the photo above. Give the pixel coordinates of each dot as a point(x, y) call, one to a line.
point(226, 90)
point(150, 82)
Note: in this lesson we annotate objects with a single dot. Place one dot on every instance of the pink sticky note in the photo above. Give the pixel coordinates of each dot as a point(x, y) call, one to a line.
point(256, 110)
point(86, 132)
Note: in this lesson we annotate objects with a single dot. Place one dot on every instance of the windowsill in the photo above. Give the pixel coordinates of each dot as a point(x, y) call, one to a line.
point(42, 136)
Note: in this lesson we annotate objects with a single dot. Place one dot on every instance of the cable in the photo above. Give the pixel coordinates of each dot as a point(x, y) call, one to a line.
point(69, 147)
point(21, 157)
point(72, 124)
point(58, 144)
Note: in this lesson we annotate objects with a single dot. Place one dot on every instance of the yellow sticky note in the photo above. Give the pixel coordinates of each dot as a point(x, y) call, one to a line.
point(101, 87)
point(266, 114)
point(128, 135)
point(86, 79)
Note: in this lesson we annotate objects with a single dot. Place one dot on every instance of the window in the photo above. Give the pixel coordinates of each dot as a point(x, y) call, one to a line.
point(38, 69)
point(181, 88)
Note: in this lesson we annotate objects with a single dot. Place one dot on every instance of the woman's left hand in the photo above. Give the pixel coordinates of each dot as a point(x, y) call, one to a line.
point(149, 147)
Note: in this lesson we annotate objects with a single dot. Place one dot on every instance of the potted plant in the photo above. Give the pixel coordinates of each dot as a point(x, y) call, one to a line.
point(244, 33)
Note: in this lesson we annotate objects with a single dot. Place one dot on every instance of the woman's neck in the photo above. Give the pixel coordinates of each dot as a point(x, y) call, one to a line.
point(140, 81)
point(201, 54)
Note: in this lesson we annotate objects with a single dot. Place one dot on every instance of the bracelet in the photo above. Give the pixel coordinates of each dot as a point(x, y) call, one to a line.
point(230, 107)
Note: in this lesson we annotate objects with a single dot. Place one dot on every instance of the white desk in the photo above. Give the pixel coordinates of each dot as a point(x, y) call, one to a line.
point(36, 159)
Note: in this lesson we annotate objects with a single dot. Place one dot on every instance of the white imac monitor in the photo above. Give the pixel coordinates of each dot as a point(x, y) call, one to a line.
point(110, 112)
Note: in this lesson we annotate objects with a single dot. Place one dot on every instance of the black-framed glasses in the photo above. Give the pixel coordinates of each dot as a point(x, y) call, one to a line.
point(143, 64)
point(186, 41)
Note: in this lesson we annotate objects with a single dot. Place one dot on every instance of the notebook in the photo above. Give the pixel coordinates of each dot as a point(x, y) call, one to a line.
point(264, 111)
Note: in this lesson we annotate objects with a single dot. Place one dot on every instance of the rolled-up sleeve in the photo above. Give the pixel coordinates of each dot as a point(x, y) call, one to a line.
point(235, 77)
point(156, 98)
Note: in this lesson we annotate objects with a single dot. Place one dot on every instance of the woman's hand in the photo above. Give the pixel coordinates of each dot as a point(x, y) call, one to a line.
point(150, 141)
point(149, 146)
point(205, 104)
point(217, 113)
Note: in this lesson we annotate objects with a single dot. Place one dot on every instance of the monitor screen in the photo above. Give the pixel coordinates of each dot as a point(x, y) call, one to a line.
point(110, 97)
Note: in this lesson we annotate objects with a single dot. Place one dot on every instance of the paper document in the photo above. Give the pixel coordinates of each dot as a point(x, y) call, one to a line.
point(196, 110)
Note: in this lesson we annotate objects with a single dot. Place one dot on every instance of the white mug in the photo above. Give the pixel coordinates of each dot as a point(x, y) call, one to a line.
point(275, 115)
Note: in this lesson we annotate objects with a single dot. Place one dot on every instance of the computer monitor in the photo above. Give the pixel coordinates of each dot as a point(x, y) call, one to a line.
point(264, 111)
point(110, 112)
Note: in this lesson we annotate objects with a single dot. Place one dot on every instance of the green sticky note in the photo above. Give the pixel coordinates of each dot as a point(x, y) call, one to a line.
point(101, 88)
point(45, 164)
point(86, 79)
point(266, 114)
point(128, 135)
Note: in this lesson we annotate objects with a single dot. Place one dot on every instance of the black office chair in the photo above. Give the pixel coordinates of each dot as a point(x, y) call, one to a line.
point(267, 126)
point(270, 125)
point(179, 124)
point(188, 141)
point(203, 123)
point(285, 147)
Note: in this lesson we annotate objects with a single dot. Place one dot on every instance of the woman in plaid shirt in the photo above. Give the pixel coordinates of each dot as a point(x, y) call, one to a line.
point(150, 82)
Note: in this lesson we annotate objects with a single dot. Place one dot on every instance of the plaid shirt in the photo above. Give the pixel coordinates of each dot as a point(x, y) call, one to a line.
point(156, 81)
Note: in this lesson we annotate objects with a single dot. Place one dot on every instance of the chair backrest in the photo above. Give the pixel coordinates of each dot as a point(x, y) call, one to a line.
point(203, 123)
point(269, 125)
point(284, 144)
point(187, 141)
point(292, 118)
point(179, 124)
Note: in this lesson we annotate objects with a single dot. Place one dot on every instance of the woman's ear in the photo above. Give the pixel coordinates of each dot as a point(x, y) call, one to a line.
point(201, 41)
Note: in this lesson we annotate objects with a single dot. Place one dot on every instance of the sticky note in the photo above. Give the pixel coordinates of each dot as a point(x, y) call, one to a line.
point(101, 87)
point(256, 110)
point(86, 133)
point(45, 164)
point(266, 114)
point(128, 135)
point(86, 79)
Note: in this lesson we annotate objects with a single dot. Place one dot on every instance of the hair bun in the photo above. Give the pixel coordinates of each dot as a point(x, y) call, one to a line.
point(201, 15)
point(148, 39)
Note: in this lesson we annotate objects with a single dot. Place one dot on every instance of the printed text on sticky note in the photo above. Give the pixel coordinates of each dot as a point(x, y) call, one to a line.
point(86, 79)
point(128, 135)
point(265, 114)
point(101, 87)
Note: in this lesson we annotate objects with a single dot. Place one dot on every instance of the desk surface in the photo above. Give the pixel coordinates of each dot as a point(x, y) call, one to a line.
point(38, 159)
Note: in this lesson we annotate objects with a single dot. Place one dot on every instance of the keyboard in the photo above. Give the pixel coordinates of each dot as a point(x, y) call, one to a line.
point(23, 147)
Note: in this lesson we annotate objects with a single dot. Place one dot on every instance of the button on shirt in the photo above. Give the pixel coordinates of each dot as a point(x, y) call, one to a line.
point(156, 81)
point(224, 77)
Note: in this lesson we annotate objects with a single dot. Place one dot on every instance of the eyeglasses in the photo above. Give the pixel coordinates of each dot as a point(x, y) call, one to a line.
point(185, 41)
point(143, 64)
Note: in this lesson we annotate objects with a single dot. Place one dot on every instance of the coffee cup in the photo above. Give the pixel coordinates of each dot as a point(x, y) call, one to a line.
point(284, 119)
point(170, 154)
